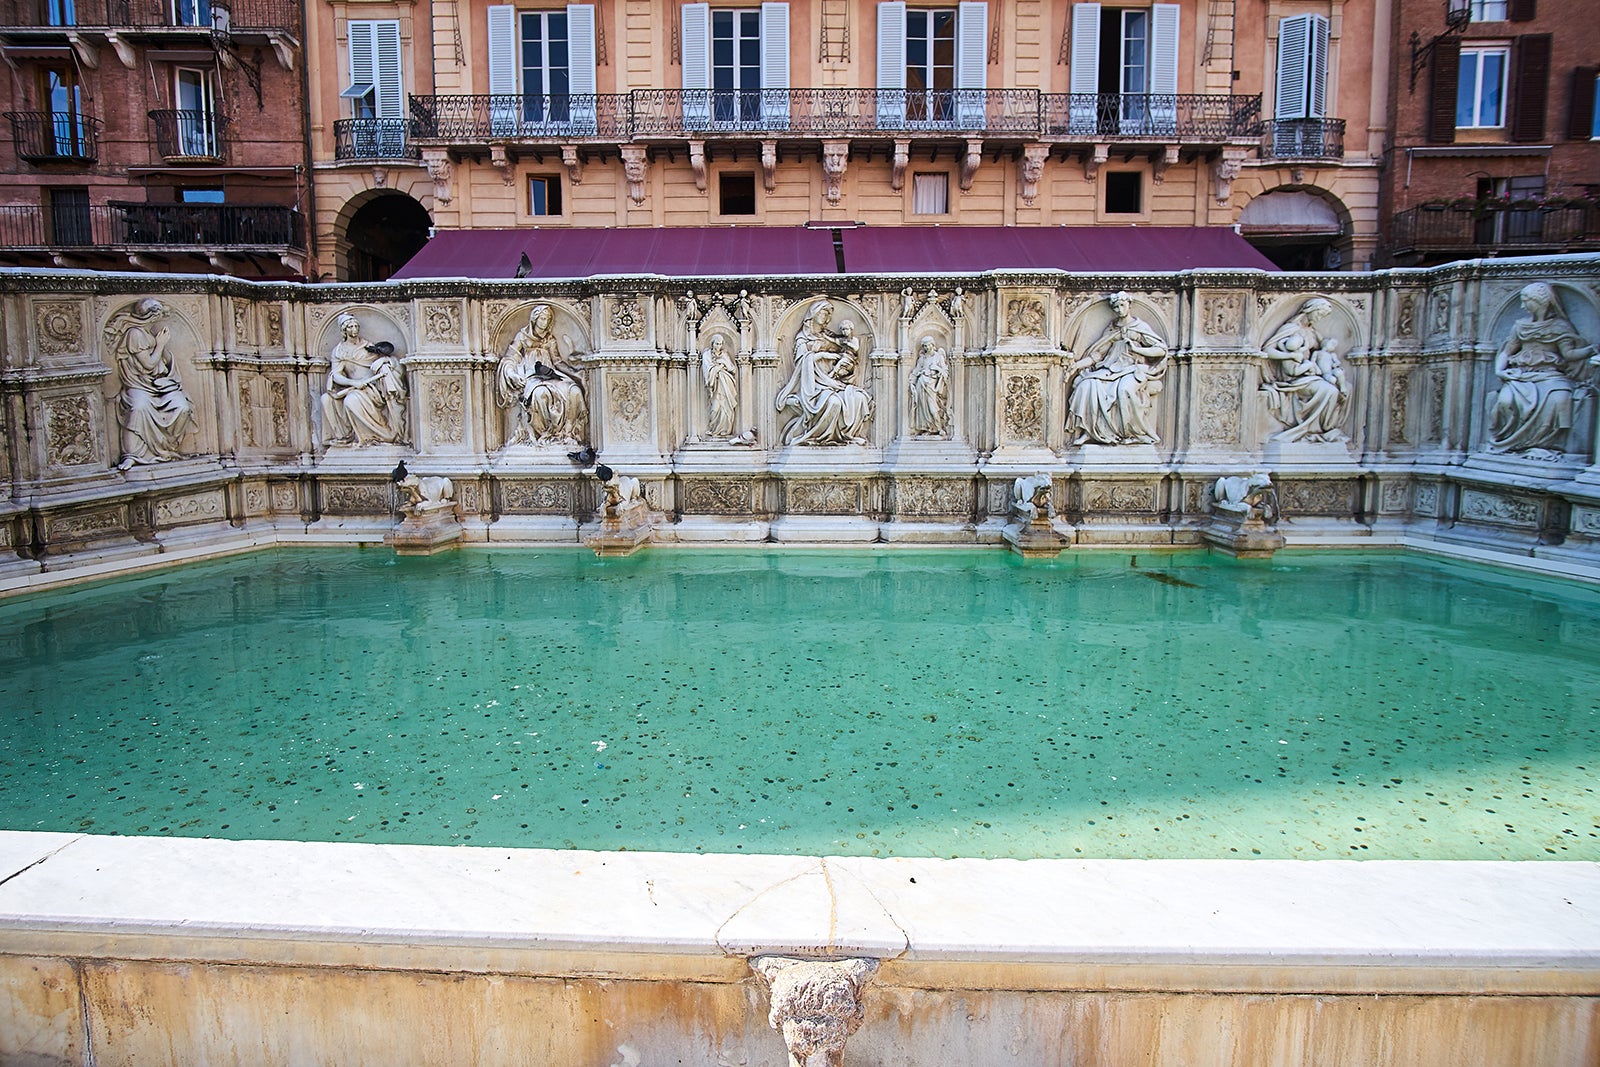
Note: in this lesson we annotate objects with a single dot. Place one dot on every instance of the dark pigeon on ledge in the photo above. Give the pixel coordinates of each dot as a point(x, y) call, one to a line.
point(524, 267)
point(603, 472)
point(399, 474)
point(583, 458)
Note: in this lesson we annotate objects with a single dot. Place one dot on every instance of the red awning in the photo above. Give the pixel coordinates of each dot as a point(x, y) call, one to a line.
point(750, 251)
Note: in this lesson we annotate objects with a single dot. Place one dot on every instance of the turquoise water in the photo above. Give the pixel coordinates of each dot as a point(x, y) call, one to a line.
point(1374, 706)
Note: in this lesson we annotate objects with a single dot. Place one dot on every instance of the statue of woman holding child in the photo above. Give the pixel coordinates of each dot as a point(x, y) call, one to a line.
point(827, 408)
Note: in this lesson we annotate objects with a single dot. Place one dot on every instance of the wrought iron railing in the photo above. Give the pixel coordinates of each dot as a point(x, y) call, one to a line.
point(1303, 139)
point(224, 15)
point(1422, 229)
point(51, 137)
point(134, 225)
point(190, 136)
point(373, 139)
point(514, 116)
point(1151, 116)
point(832, 112)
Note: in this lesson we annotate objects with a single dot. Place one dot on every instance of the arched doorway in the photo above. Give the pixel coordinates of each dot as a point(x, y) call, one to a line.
point(382, 233)
point(1298, 230)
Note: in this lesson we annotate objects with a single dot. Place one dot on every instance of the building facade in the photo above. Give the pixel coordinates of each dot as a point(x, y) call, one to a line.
point(155, 135)
point(1496, 136)
point(641, 113)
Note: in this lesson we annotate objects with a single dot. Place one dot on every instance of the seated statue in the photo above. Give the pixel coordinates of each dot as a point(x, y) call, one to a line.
point(827, 408)
point(365, 399)
point(548, 395)
point(1305, 383)
point(1116, 380)
point(1542, 367)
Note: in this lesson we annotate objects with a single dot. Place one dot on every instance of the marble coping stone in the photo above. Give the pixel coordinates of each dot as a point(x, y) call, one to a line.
point(694, 915)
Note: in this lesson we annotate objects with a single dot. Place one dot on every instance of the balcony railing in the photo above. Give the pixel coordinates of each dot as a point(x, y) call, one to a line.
point(1303, 139)
point(372, 139)
point(237, 16)
point(1150, 117)
point(832, 112)
point(134, 225)
point(48, 137)
point(1425, 230)
point(190, 136)
point(517, 116)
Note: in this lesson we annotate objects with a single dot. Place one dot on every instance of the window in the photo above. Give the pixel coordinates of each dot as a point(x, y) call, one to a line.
point(930, 194)
point(1481, 90)
point(544, 194)
point(1488, 10)
point(207, 194)
point(1124, 192)
point(376, 92)
point(191, 13)
point(69, 217)
point(932, 65)
point(1302, 84)
point(542, 70)
point(65, 134)
point(735, 66)
point(1124, 73)
point(736, 193)
point(60, 13)
point(196, 116)
point(1594, 111)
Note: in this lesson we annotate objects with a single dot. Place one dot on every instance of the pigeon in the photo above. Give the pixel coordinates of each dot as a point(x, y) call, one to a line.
point(524, 267)
point(381, 348)
point(400, 474)
point(583, 458)
point(542, 372)
point(603, 472)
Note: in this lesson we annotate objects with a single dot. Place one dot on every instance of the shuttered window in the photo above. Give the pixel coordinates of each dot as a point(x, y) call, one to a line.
point(375, 89)
point(1302, 83)
point(1530, 95)
point(1481, 90)
point(1583, 105)
point(1443, 86)
point(933, 54)
point(735, 66)
point(541, 67)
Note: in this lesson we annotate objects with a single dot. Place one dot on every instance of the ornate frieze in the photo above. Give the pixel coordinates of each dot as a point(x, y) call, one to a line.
point(529, 497)
point(283, 497)
point(1438, 377)
point(718, 496)
point(81, 525)
point(69, 434)
point(357, 498)
point(822, 497)
point(446, 410)
point(1501, 510)
point(933, 496)
point(197, 507)
point(1023, 413)
point(1219, 400)
point(1427, 500)
point(1399, 398)
point(1122, 497)
point(1405, 319)
point(627, 319)
point(58, 327)
point(629, 396)
point(1392, 498)
point(441, 322)
point(1025, 317)
point(1222, 315)
point(1323, 496)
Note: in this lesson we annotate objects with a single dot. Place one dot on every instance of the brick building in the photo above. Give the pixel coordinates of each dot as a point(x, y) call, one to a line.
point(155, 134)
point(1496, 145)
point(645, 113)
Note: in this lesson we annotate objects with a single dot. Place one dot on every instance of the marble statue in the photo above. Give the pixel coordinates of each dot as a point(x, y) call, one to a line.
point(548, 395)
point(930, 390)
point(427, 494)
point(365, 399)
point(1114, 383)
point(156, 413)
point(1542, 367)
point(722, 387)
point(815, 1004)
point(1305, 383)
point(1247, 497)
point(827, 408)
point(1030, 497)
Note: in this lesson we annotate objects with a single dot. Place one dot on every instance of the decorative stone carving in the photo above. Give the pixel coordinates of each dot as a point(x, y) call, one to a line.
point(156, 413)
point(717, 496)
point(835, 155)
point(1219, 396)
point(1305, 385)
point(635, 168)
point(359, 498)
point(930, 390)
point(274, 325)
point(428, 515)
point(364, 402)
point(769, 165)
point(1023, 407)
point(1441, 314)
point(1222, 314)
point(1392, 498)
point(548, 394)
point(630, 402)
point(1541, 367)
point(426, 494)
point(1437, 380)
point(721, 379)
point(1030, 498)
point(446, 411)
point(1224, 172)
point(1249, 497)
point(1492, 507)
point(823, 498)
point(697, 164)
point(68, 433)
point(201, 507)
point(573, 162)
point(1033, 157)
point(1405, 320)
point(1114, 383)
point(823, 404)
point(1427, 500)
point(933, 496)
point(1399, 401)
point(283, 497)
point(1120, 496)
point(815, 1004)
point(1025, 318)
point(536, 498)
point(969, 165)
point(441, 171)
point(441, 323)
point(627, 323)
point(1333, 497)
point(241, 321)
point(85, 524)
point(58, 327)
point(902, 158)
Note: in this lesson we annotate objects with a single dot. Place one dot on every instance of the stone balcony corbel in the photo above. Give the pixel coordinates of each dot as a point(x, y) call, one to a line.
point(1167, 158)
point(1033, 157)
point(970, 163)
point(835, 157)
point(125, 51)
point(902, 159)
point(1225, 170)
point(573, 162)
point(1091, 165)
point(283, 47)
point(769, 165)
point(697, 163)
point(441, 170)
point(635, 167)
point(500, 160)
point(88, 54)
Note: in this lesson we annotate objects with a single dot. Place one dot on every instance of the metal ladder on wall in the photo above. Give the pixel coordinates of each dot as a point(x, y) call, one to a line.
point(833, 44)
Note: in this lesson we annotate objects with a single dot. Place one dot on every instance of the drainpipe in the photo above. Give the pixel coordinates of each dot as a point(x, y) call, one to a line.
point(305, 139)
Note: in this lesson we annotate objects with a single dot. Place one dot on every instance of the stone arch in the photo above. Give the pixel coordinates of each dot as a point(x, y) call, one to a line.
point(1089, 323)
point(1342, 325)
point(570, 323)
point(843, 310)
point(1299, 227)
point(376, 232)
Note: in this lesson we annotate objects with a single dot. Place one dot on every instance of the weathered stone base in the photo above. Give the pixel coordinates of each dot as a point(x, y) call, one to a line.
point(1243, 538)
point(1035, 540)
point(424, 536)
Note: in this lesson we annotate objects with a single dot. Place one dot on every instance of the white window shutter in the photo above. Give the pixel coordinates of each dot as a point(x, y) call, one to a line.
point(695, 41)
point(1164, 49)
point(775, 65)
point(1317, 69)
point(972, 63)
point(362, 49)
point(581, 66)
point(1294, 61)
point(386, 70)
point(1084, 77)
point(503, 112)
point(891, 65)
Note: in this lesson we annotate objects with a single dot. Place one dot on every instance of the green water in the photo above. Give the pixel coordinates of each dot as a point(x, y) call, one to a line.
point(863, 703)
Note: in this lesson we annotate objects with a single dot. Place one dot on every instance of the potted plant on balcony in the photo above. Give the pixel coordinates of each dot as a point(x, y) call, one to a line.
point(1436, 204)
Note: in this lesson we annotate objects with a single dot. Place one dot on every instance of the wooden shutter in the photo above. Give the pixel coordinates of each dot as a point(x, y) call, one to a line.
point(386, 70)
point(1442, 84)
point(775, 65)
point(581, 66)
point(1522, 10)
point(891, 64)
point(1317, 69)
point(1084, 76)
point(1530, 93)
point(1580, 109)
point(972, 63)
point(1164, 49)
point(503, 113)
point(1294, 61)
point(696, 49)
point(363, 36)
